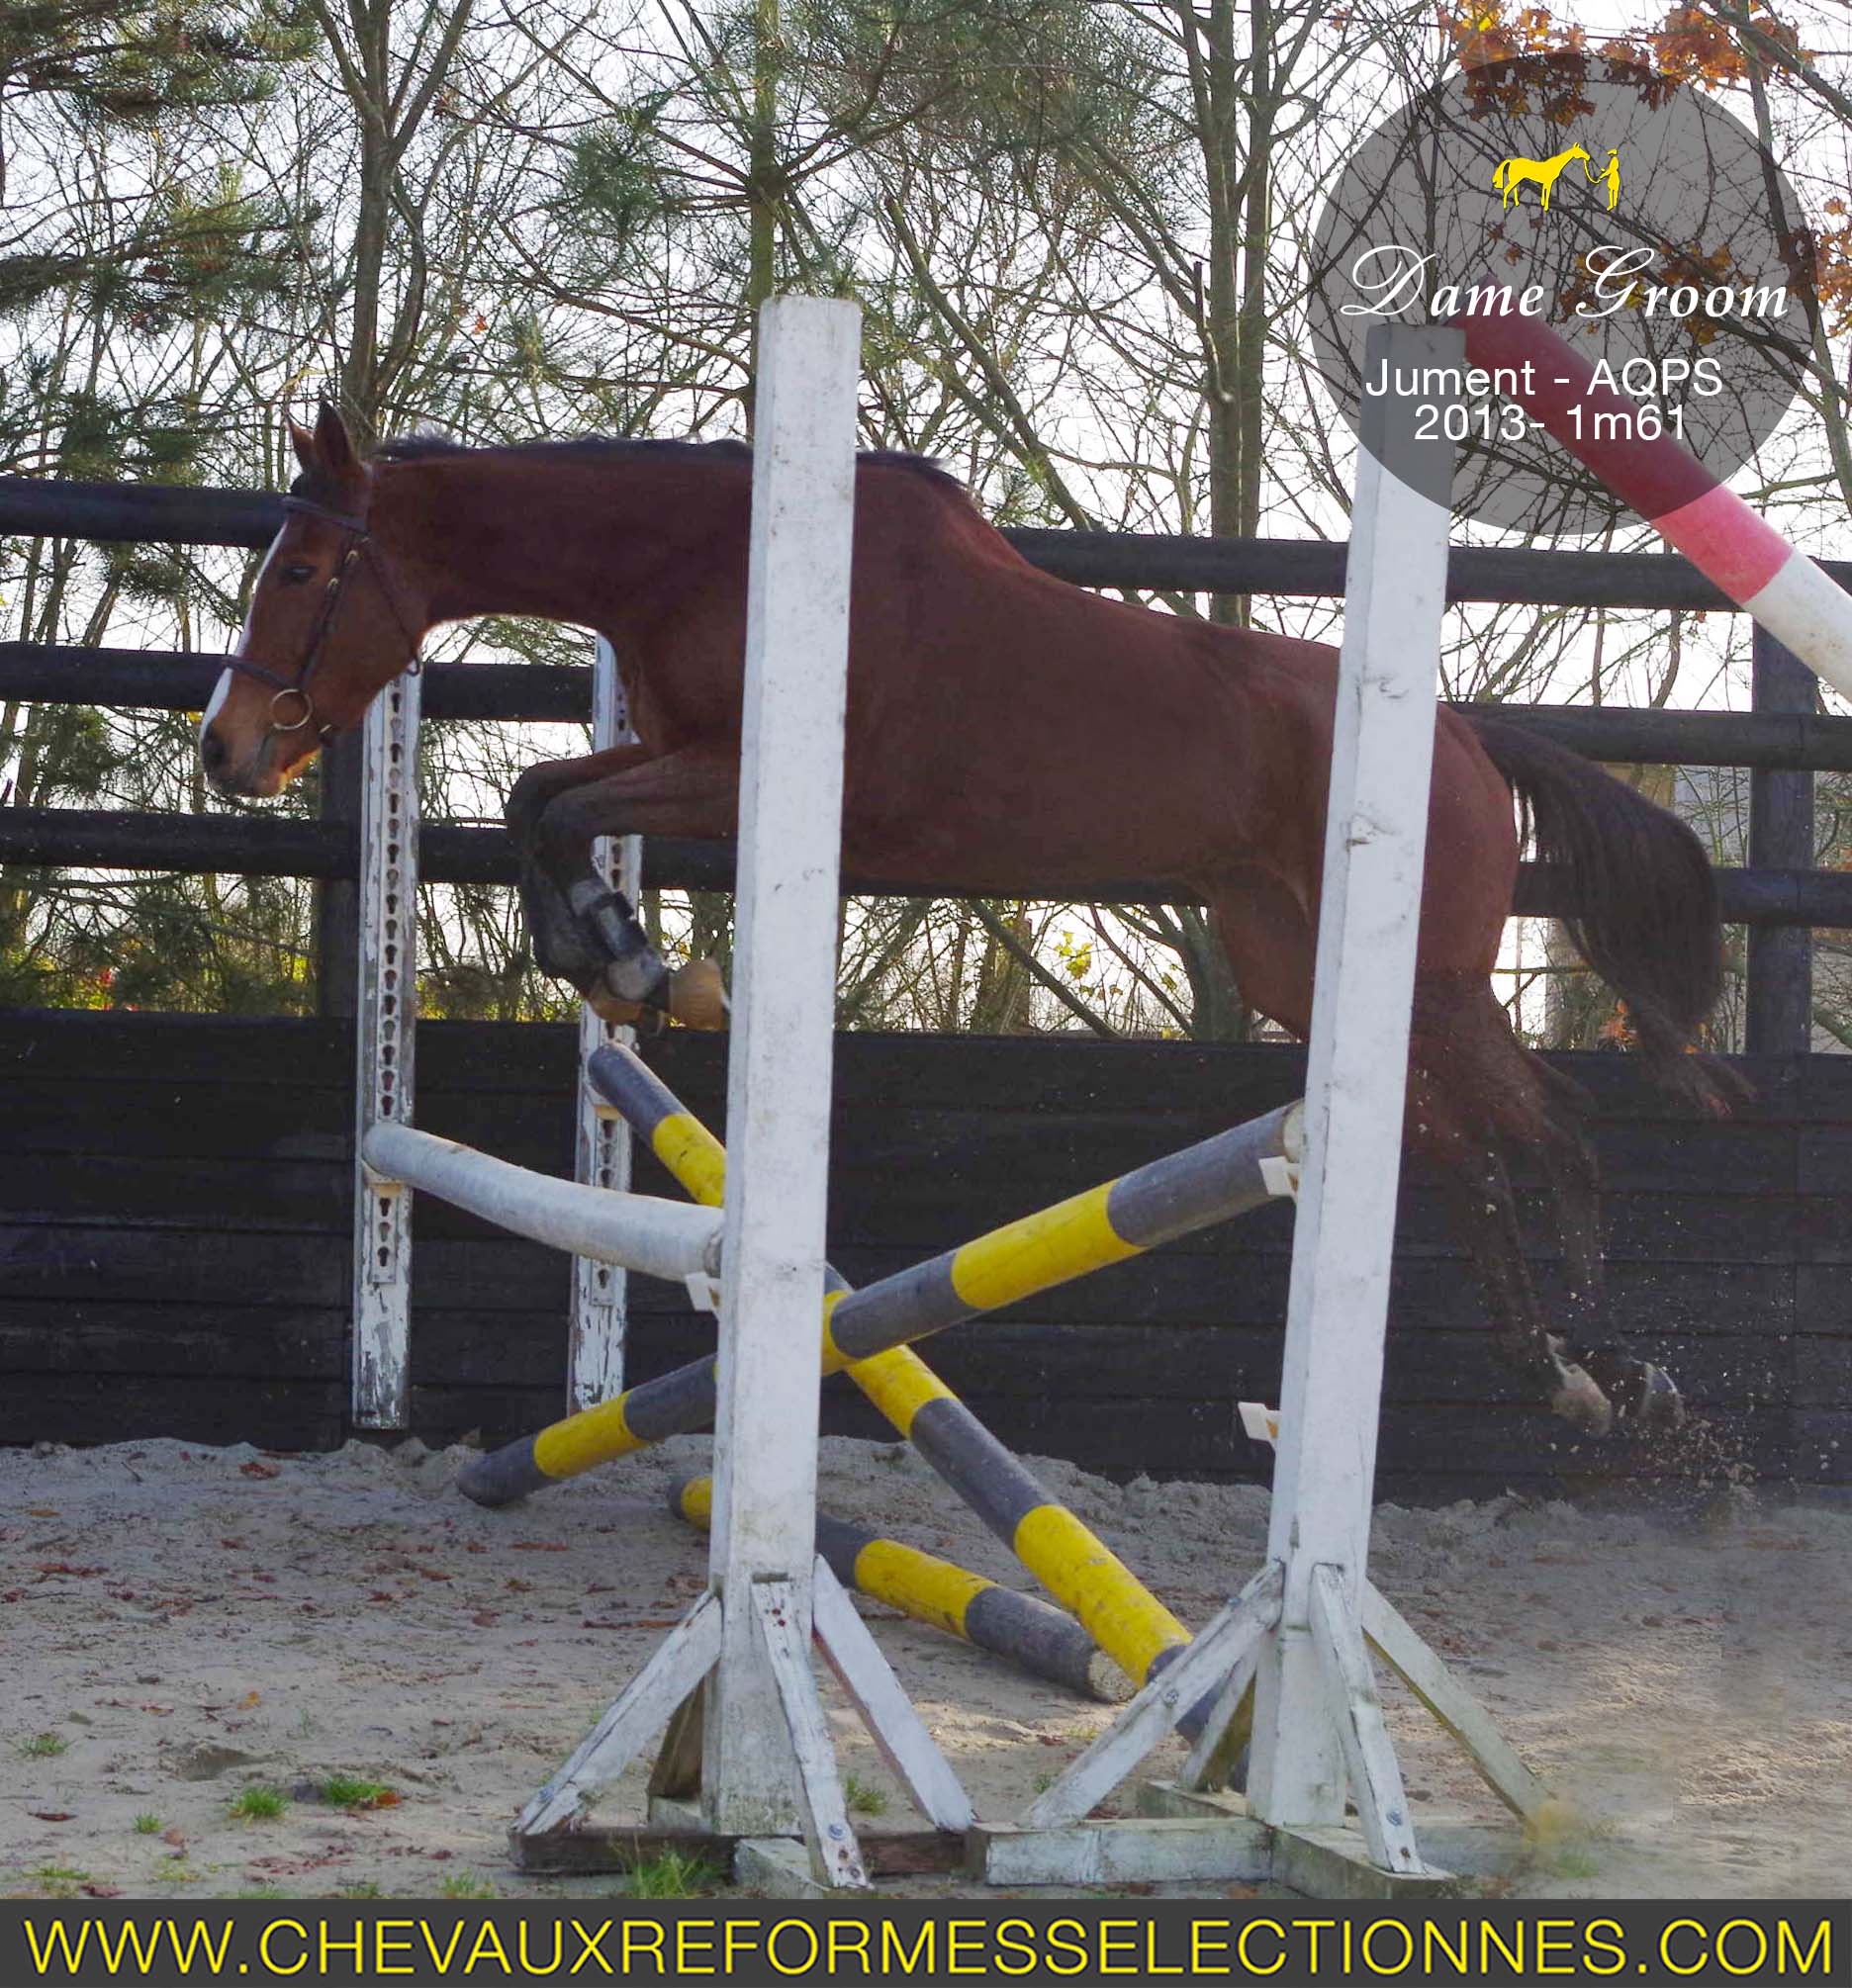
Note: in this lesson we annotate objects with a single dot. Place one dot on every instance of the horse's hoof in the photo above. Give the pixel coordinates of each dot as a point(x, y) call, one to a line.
point(1645, 1397)
point(608, 1007)
point(1657, 1404)
point(1579, 1401)
point(697, 995)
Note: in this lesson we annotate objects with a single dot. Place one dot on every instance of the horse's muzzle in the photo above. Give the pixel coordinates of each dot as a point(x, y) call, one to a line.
point(253, 777)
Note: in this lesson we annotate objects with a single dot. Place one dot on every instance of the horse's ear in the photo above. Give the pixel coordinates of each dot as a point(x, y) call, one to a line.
point(332, 442)
point(303, 442)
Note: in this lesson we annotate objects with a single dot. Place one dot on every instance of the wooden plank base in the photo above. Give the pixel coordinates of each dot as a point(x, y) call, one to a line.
point(1214, 1849)
point(592, 1848)
point(1331, 1863)
point(777, 1866)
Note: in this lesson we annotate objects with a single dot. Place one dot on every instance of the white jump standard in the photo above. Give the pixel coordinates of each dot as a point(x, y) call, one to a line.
point(1297, 1630)
point(767, 1770)
point(385, 1060)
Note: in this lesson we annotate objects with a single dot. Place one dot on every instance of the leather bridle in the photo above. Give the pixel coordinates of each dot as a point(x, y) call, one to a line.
point(360, 547)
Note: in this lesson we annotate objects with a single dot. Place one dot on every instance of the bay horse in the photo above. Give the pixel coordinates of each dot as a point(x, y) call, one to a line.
point(1006, 731)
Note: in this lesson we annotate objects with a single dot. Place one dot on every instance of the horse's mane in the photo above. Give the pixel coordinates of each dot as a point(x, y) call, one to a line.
point(423, 446)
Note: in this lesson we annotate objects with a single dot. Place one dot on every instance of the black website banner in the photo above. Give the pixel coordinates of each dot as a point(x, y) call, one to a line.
point(909, 1940)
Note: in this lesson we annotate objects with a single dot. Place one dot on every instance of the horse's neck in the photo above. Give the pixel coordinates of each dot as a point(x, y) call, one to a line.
point(592, 542)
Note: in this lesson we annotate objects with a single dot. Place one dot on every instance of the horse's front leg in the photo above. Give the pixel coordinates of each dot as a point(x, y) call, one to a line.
point(692, 793)
point(562, 949)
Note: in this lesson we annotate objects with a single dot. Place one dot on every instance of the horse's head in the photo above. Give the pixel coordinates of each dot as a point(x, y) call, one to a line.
point(333, 619)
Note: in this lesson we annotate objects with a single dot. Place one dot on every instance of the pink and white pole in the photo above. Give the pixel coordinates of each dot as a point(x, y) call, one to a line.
point(1785, 591)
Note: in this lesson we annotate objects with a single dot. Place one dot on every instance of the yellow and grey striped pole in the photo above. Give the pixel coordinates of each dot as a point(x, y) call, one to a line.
point(866, 1331)
point(1025, 1630)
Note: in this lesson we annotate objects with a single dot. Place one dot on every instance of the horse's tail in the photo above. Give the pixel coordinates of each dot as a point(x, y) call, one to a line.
point(1646, 915)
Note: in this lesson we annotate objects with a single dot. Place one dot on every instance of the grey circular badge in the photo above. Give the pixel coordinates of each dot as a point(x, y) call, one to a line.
point(1635, 219)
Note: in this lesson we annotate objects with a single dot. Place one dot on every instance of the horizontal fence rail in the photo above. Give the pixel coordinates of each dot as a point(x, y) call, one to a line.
point(162, 515)
point(166, 680)
point(251, 846)
point(561, 693)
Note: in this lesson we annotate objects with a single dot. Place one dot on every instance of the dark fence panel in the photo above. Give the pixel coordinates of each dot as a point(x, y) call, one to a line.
point(174, 1255)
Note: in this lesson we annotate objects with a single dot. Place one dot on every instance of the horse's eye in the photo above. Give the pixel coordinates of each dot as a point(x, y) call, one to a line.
point(294, 575)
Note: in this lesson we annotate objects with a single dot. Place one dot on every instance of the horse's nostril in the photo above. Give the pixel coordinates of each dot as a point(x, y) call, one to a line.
point(212, 753)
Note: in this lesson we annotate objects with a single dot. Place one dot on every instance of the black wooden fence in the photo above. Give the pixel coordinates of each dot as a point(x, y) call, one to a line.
point(174, 1255)
point(174, 1246)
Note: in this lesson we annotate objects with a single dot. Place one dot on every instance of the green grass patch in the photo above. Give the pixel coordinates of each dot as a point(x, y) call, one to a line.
point(460, 1884)
point(354, 1791)
point(862, 1797)
point(674, 1876)
point(148, 1824)
point(260, 1804)
point(45, 1746)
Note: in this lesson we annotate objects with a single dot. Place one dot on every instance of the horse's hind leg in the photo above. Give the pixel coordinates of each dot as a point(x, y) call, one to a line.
point(1484, 1216)
point(1481, 1088)
point(1642, 1393)
point(1472, 1087)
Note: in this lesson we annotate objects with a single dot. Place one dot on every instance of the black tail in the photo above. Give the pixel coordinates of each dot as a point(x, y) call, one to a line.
point(1645, 900)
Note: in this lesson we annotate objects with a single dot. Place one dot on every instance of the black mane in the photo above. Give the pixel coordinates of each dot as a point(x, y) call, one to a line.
point(422, 447)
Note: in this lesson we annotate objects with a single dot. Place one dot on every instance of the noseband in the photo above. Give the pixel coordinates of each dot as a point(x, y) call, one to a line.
point(293, 692)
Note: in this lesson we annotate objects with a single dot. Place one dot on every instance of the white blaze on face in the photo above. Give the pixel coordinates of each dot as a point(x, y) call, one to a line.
point(223, 689)
point(244, 646)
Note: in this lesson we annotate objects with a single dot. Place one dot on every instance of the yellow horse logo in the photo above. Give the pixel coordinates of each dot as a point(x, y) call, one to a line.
point(1509, 176)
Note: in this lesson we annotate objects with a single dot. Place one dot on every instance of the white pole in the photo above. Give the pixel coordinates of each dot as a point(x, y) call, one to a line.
point(1376, 840)
point(784, 1008)
point(672, 1239)
point(387, 1024)
point(595, 1361)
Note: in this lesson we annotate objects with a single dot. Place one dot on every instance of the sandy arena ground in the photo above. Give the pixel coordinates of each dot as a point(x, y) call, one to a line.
point(181, 1624)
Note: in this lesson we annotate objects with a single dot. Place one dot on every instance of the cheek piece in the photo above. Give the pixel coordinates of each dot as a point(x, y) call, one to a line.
point(293, 705)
